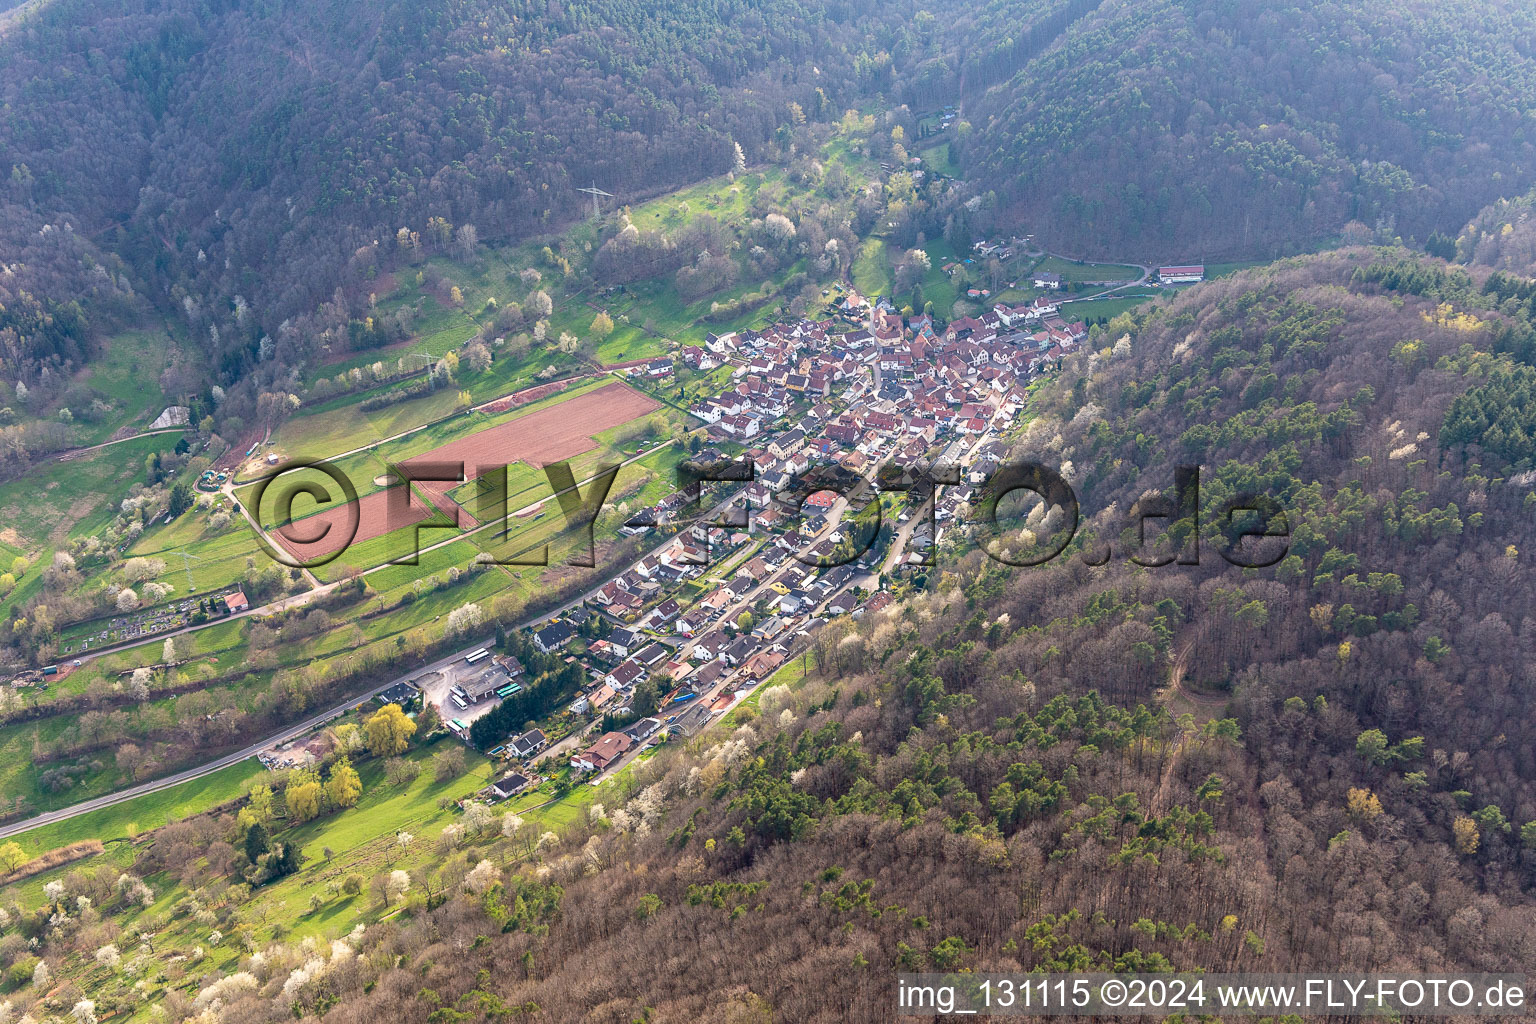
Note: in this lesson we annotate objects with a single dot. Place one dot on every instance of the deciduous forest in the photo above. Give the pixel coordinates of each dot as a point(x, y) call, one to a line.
point(1224, 128)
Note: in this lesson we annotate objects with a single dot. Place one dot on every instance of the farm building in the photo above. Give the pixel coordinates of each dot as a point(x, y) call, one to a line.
point(1180, 275)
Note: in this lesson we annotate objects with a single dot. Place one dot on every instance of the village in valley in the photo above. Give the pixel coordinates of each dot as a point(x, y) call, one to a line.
point(838, 408)
point(748, 513)
point(680, 636)
point(824, 420)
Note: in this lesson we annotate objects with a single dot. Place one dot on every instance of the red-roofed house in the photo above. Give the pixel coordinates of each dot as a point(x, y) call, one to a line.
point(608, 749)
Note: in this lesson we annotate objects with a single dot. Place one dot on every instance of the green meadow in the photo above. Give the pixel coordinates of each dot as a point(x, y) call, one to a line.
point(117, 375)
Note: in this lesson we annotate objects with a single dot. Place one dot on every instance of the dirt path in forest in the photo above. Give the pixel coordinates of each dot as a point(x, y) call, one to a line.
point(1166, 696)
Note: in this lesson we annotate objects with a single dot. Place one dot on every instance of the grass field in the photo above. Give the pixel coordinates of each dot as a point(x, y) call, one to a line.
point(390, 547)
point(403, 416)
point(439, 327)
point(381, 813)
point(390, 580)
point(55, 502)
point(719, 197)
point(199, 558)
point(649, 311)
point(1072, 270)
point(28, 586)
point(59, 500)
point(938, 287)
point(938, 159)
point(326, 431)
point(119, 374)
point(20, 774)
point(871, 270)
point(873, 274)
point(508, 374)
point(143, 813)
point(1110, 306)
point(202, 648)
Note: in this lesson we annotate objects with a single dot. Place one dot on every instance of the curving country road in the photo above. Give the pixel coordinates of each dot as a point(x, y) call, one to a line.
point(300, 728)
point(155, 785)
point(1146, 272)
point(290, 732)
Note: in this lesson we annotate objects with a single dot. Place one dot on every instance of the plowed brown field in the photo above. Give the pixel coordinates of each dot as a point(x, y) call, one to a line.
point(548, 435)
point(540, 438)
point(374, 520)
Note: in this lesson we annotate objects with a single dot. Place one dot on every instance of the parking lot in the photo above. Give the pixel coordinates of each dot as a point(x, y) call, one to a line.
point(435, 686)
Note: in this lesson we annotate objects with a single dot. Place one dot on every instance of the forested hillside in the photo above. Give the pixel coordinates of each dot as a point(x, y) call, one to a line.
point(1181, 129)
point(1322, 763)
point(1501, 236)
point(245, 159)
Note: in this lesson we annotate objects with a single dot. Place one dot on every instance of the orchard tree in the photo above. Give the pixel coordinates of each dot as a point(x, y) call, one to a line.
point(477, 356)
point(465, 618)
point(602, 326)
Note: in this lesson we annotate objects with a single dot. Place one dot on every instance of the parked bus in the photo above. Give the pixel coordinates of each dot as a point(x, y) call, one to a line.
point(479, 655)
